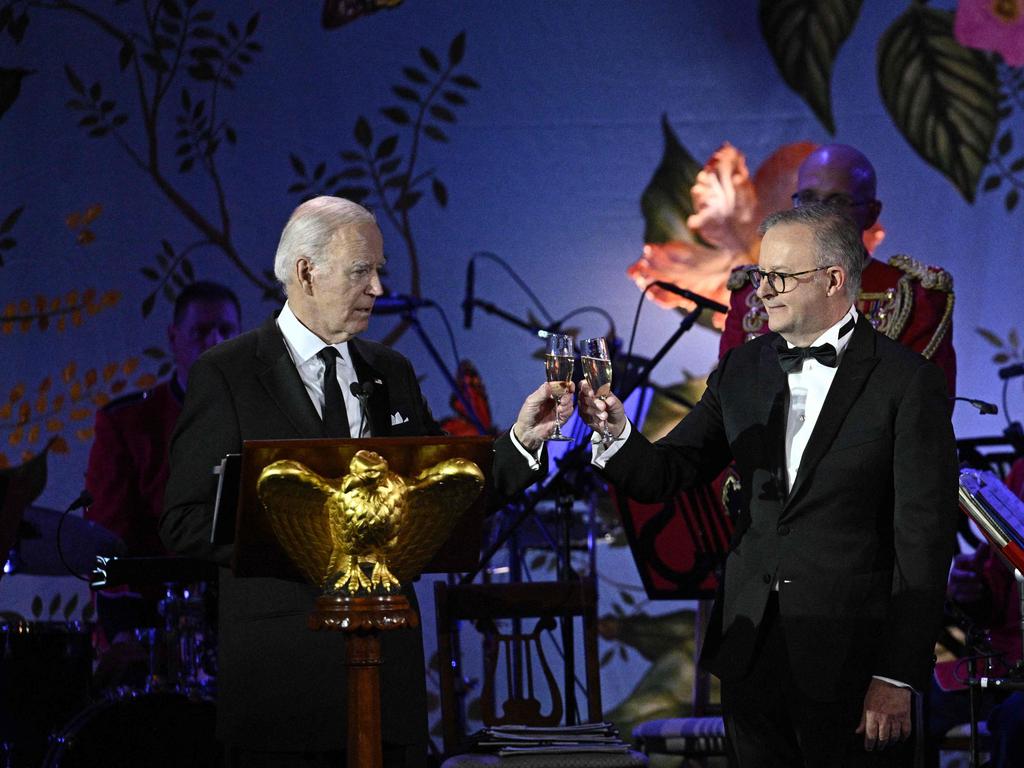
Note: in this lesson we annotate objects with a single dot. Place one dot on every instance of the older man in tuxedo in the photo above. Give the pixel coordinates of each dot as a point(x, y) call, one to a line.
point(833, 587)
point(280, 686)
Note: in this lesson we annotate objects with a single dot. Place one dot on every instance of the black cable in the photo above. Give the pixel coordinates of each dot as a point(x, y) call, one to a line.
point(84, 500)
point(451, 334)
point(518, 280)
point(595, 310)
point(1006, 411)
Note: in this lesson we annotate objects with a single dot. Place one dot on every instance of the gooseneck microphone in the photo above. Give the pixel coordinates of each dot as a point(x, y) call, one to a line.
point(362, 391)
point(984, 408)
point(701, 301)
point(468, 301)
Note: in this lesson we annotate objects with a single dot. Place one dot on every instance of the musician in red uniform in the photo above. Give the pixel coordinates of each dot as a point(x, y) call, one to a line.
point(127, 469)
point(904, 299)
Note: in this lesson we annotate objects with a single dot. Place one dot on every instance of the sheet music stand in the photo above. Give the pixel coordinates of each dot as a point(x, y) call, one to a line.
point(362, 618)
point(1000, 516)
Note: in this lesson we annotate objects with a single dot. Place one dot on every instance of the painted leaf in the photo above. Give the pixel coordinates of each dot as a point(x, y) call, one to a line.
point(666, 203)
point(941, 96)
point(804, 37)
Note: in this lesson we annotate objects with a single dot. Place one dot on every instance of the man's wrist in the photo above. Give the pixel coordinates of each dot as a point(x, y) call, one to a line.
point(532, 445)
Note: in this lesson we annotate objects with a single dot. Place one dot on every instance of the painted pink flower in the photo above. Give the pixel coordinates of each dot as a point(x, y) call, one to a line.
point(992, 25)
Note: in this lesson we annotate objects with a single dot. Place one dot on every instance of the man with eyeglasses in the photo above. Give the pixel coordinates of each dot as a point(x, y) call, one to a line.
point(904, 299)
point(833, 587)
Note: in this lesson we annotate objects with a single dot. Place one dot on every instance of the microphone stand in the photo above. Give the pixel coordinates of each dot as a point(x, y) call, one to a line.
point(576, 458)
point(493, 309)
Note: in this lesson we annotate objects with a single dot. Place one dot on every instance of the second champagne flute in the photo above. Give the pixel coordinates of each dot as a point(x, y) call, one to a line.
point(558, 365)
point(597, 367)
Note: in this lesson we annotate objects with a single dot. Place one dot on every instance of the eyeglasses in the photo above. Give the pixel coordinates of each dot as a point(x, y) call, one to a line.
point(835, 200)
point(777, 280)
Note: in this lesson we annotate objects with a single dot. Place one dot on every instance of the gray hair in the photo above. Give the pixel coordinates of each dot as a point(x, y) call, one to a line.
point(837, 239)
point(310, 229)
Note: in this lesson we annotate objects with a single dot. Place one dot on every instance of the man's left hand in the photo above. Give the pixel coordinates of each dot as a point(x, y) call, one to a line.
point(536, 420)
point(885, 720)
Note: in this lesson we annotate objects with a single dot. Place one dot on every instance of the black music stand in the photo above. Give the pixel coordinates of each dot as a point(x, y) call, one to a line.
point(1000, 516)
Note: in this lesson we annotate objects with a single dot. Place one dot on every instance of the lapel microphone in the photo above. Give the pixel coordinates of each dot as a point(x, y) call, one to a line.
point(362, 390)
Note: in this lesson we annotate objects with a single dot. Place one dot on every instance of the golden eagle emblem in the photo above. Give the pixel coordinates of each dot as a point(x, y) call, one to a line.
point(334, 529)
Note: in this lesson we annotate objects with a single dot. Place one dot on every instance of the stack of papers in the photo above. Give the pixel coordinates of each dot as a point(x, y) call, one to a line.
point(508, 740)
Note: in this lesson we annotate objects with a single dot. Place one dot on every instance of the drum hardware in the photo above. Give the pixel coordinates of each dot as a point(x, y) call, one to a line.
point(127, 727)
point(45, 677)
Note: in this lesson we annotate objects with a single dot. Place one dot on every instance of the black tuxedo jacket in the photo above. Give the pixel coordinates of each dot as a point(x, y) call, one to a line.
point(860, 545)
point(280, 685)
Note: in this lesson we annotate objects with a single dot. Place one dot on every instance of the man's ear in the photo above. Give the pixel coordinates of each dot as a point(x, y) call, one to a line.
point(836, 280)
point(304, 275)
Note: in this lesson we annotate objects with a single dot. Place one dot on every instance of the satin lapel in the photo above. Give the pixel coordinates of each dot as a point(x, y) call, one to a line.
point(380, 419)
point(772, 402)
point(282, 382)
point(858, 362)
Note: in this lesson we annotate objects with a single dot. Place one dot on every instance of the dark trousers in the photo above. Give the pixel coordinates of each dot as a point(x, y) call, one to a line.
point(771, 723)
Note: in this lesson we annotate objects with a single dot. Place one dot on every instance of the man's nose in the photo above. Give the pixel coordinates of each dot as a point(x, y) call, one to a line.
point(375, 288)
point(764, 288)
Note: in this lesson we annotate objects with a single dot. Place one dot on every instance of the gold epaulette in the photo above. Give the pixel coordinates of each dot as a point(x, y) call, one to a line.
point(738, 277)
point(934, 278)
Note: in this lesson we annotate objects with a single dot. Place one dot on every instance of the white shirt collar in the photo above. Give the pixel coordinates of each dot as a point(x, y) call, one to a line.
point(303, 343)
point(831, 335)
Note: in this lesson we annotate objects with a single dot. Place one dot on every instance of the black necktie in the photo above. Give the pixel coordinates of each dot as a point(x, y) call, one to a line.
point(335, 416)
point(791, 359)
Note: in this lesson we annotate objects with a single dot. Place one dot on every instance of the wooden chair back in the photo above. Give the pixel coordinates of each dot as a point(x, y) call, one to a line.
point(520, 680)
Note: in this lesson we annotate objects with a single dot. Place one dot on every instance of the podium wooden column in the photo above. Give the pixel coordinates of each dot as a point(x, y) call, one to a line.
point(362, 619)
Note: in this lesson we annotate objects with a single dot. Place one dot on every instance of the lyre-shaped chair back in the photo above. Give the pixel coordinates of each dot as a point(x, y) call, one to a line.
point(520, 654)
point(516, 666)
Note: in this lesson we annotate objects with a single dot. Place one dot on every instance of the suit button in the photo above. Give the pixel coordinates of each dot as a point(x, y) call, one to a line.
point(767, 578)
point(783, 530)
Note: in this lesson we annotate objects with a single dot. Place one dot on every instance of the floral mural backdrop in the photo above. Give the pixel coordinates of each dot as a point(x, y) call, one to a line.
point(595, 147)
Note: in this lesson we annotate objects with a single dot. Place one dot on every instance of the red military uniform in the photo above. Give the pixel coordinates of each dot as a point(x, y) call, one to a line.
point(128, 467)
point(904, 299)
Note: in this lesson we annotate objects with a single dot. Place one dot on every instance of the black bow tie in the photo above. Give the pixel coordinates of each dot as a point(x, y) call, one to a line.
point(792, 359)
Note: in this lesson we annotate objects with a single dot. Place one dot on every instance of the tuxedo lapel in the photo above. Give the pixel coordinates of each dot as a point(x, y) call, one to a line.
point(282, 382)
point(772, 402)
point(853, 372)
point(378, 416)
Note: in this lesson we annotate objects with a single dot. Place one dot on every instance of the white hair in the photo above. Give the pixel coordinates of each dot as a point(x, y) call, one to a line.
point(310, 229)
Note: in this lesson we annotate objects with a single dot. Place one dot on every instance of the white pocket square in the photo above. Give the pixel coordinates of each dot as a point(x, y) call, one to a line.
point(398, 418)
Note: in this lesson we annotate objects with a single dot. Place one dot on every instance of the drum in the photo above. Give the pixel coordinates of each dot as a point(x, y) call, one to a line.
point(130, 728)
point(45, 677)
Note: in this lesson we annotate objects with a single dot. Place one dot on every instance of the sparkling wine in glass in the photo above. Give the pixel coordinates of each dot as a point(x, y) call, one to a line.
point(558, 365)
point(597, 367)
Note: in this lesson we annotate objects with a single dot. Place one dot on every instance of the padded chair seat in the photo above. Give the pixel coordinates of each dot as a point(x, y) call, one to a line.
point(681, 736)
point(569, 760)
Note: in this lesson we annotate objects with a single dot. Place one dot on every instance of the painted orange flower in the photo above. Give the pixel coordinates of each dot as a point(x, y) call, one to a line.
point(729, 206)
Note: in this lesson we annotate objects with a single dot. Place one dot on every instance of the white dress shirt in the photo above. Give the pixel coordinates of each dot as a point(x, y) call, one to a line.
point(808, 388)
point(303, 346)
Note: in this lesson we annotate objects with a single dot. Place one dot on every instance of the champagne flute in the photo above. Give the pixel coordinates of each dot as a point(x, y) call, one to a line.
point(597, 367)
point(558, 364)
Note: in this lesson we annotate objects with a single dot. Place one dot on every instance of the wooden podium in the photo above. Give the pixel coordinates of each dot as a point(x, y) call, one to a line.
point(361, 617)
